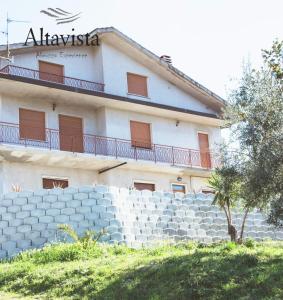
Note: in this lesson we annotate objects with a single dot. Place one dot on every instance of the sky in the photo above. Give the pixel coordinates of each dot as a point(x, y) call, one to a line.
point(207, 39)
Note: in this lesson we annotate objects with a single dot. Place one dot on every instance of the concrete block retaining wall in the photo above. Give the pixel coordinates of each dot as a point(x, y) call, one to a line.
point(30, 219)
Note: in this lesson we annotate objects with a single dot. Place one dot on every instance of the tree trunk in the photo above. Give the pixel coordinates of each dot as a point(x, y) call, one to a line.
point(240, 240)
point(227, 217)
point(231, 228)
point(233, 233)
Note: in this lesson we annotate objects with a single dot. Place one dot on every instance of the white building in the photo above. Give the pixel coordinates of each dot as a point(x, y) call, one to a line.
point(112, 114)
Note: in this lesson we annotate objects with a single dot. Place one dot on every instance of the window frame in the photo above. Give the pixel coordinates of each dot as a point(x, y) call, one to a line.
point(75, 117)
point(209, 145)
point(147, 85)
point(208, 138)
point(62, 81)
point(65, 179)
point(207, 191)
point(150, 133)
point(45, 127)
point(50, 63)
point(144, 182)
point(180, 184)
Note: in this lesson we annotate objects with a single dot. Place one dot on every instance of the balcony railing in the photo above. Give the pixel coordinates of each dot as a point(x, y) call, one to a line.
point(64, 80)
point(113, 147)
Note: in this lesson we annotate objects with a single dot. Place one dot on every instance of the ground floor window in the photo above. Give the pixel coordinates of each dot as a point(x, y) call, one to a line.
point(178, 188)
point(144, 186)
point(51, 183)
point(207, 191)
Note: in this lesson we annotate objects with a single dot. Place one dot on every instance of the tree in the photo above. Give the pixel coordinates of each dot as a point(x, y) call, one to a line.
point(255, 112)
point(273, 58)
point(227, 183)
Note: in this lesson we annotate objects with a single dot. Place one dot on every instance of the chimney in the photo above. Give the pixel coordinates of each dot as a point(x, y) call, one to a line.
point(167, 59)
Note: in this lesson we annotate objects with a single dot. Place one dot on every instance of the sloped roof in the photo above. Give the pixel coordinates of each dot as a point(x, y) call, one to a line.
point(158, 60)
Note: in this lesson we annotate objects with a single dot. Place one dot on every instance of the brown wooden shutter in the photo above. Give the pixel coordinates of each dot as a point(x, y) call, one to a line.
point(137, 84)
point(140, 134)
point(32, 124)
point(140, 186)
point(204, 150)
point(51, 72)
point(49, 183)
point(71, 134)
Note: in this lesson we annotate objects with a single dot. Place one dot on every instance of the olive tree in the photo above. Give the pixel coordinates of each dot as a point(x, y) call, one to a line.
point(227, 181)
point(255, 113)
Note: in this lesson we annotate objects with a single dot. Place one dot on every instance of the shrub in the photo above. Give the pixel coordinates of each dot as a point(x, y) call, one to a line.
point(60, 252)
point(90, 237)
point(250, 243)
point(229, 246)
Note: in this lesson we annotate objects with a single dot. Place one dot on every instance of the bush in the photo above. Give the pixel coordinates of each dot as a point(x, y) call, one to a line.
point(250, 243)
point(89, 237)
point(60, 252)
point(229, 246)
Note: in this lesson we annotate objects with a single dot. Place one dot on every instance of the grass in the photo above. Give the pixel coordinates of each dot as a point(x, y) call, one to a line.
point(185, 271)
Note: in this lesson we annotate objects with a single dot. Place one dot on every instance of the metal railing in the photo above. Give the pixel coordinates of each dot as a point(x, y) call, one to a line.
point(114, 147)
point(64, 80)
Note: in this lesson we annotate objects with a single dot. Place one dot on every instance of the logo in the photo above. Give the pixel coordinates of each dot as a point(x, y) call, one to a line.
point(58, 39)
point(61, 16)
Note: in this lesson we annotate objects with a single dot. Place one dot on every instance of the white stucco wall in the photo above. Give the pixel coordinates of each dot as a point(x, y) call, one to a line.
point(11, 105)
point(29, 176)
point(109, 65)
point(164, 130)
point(163, 181)
point(101, 125)
point(112, 122)
point(79, 62)
point(116, 65)
point(106, 64)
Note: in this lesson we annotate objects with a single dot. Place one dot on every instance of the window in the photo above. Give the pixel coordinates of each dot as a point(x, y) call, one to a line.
point(178, 188)
point(32, 124)
point(71, 134)
point(140, 186)
point(51, 72)
point(205, 159)
point(51, 183)
point(207, 191)
point(140, 134)
point(137, 84)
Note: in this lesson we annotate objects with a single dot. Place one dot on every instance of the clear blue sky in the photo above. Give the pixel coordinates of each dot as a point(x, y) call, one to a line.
point(207, 39)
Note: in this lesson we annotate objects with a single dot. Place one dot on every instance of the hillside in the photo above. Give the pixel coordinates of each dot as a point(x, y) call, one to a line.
point(187, 271)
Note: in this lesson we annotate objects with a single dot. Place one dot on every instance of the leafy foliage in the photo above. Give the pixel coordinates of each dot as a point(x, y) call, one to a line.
point(273, 58)
point(88, 238)
point(255, 112)
point(227, 183)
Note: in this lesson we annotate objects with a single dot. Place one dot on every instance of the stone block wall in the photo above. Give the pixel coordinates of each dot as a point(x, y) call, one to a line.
point(30, 219)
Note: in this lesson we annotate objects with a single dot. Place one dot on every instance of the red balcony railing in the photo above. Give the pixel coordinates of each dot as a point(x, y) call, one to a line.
point(64, 80)
point(114, 147)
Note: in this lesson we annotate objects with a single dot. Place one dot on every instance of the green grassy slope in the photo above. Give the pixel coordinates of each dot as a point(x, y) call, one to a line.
point(189, 271)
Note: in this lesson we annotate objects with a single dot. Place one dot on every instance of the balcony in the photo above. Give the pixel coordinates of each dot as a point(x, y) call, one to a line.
point(113, 147)
point(42, 76)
